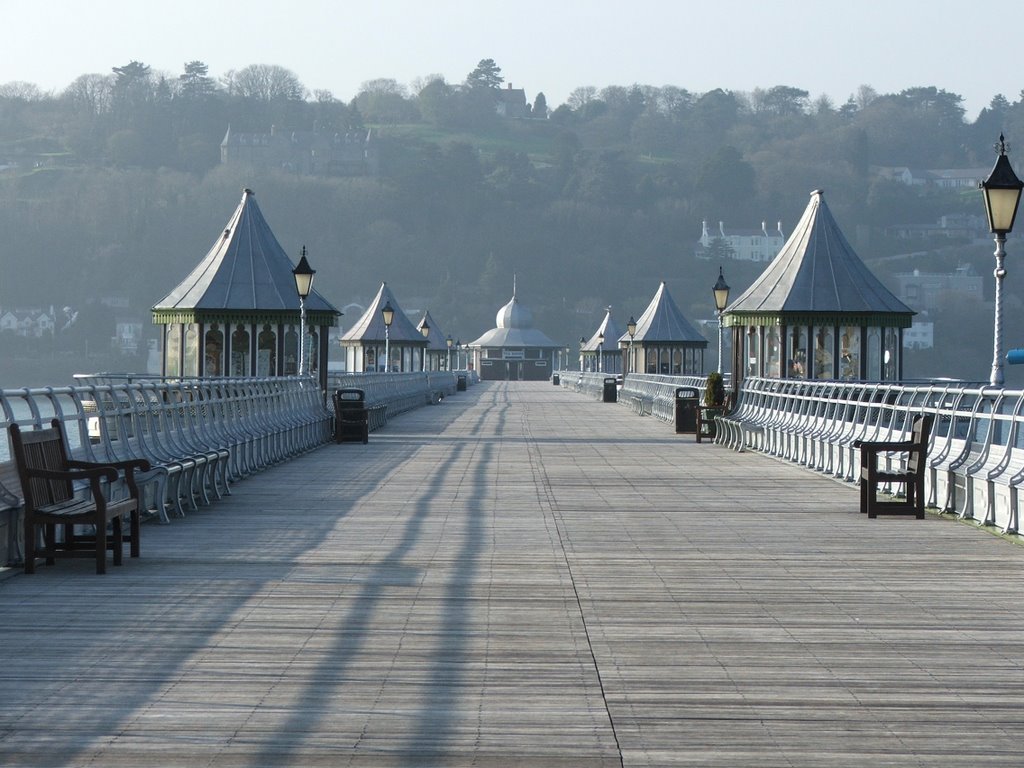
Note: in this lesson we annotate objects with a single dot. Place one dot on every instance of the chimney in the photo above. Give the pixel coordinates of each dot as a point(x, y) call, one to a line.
point(721, 229)
point(764, 228)
point(704, 236)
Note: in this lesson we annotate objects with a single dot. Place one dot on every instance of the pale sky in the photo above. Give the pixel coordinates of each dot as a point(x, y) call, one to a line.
point(553, 46)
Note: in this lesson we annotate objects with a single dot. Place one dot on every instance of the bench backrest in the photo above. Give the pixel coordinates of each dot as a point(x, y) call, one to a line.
point(919, 434)
point(41, 449)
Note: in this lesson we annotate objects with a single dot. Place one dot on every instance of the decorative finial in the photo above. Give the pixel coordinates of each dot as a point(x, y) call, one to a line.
point(1002, 147)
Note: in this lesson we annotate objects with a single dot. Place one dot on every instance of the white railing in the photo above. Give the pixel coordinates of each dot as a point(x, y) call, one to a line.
point(199, 435)
point(975, 462)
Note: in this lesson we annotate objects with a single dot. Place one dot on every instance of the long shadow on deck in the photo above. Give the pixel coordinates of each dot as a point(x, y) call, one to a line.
point(141, 633)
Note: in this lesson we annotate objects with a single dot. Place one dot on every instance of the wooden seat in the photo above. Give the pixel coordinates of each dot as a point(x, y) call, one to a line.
point(47, 476)
point(910, 476)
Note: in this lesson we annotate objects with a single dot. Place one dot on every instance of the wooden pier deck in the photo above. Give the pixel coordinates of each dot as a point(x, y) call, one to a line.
point(521, 576)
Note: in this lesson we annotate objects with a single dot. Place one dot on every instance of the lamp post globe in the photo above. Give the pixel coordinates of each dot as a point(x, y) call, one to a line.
point(388, 313)
point(425, 330)
point(631, 330)
point(721, 293)
point(1001, 190)
point(303, 274)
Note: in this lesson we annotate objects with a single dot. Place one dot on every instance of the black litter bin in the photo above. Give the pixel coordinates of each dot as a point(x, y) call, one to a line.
point(687, 403)
point(351, 419)
point(611, 390)
point(460, 382)
point(555, 379)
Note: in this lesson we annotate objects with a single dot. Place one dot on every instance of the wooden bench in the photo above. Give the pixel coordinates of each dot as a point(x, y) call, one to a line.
point(910, 475)
point(47, 476)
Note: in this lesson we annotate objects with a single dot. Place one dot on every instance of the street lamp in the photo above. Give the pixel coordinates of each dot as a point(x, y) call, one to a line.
point(389, 315)
point(631, 330)
point(600, 350)
point(458, 354)
point(449, 343)
point(1002, 191)
point(425, 330)
point(303, 285)
point(721, 291)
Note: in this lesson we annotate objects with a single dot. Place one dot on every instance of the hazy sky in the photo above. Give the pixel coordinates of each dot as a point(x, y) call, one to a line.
point(552, 46)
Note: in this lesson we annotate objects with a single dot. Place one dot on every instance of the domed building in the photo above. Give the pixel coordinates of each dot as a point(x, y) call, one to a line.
point(514, 350)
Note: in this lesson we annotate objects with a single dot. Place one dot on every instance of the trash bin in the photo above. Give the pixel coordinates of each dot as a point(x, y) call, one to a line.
point(555, 379)
point(460, 383)
point(687, 403)
point(611, 390)
point(351, 419)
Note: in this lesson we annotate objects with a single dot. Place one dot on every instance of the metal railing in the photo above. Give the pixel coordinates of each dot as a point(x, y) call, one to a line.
point(200, 435)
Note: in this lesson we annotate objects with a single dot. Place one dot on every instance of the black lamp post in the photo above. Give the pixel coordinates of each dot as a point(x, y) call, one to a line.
point(449, 343)
point(600, 351)
point(425, 330)
point(303, 285)
point(631, 330)
point(389, 315)
point(458, 354)
point(583, 343)
point(1002, 191)
point(721, 291)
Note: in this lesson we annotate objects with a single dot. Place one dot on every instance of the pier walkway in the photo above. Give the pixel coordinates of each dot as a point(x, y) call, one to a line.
point(520, 576)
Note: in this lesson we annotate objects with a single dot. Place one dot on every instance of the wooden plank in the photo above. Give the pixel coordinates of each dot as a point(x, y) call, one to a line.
point(523, 576)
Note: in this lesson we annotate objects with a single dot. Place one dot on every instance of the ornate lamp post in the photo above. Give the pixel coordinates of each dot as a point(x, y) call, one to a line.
point(600, 351)
point(389, 315)
point(458, 355)
point(425, 330)
point(1002, 191)
point(449, 342)
point(583, 342)
point(721, 291)
point(303, 285)
point(631, 330)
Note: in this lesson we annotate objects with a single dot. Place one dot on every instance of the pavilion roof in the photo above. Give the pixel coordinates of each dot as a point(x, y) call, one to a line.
point(818, 277)
point(662, 321)
point(245, 274)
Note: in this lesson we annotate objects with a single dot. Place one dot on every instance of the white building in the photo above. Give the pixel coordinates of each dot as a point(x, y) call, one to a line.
point(745, 244)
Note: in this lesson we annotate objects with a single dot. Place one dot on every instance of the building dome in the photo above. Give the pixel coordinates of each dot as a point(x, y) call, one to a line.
point(513, 315)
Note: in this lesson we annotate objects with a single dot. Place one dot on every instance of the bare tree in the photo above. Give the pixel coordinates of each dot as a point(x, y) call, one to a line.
point(265, 82)
point(21, 91)
point(91, 94)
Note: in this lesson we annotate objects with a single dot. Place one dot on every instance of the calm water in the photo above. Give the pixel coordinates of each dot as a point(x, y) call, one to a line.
point(23, 412)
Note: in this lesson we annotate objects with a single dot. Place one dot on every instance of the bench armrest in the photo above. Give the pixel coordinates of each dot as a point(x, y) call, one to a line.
point(98, 471)
point(132, 464)
point(866, 445)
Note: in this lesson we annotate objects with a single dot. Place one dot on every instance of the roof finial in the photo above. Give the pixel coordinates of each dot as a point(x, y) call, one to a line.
point(1002, 147)
point(513, 285)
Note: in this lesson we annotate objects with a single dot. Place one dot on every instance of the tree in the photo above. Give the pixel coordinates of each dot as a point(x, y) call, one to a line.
point(194, 83)
point(540, 106)
point(265, 82)
point(486, 75)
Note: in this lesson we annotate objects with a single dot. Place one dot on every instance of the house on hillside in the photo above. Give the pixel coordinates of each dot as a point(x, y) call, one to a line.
point(511, 102)
point(307, 153)
point(743, 244)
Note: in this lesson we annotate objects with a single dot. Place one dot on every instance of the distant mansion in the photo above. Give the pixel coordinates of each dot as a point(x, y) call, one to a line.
point(945, 178)
point(742, 244)
point(307, 153)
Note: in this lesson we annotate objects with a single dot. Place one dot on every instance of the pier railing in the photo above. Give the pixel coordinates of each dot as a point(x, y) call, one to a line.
point(975, 464)
point(200, 435)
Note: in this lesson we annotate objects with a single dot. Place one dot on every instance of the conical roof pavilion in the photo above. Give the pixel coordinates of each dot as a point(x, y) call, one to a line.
point(245, 277)
point(817, 278)
point(609, 329)
point(662, 321)
point(370, 327)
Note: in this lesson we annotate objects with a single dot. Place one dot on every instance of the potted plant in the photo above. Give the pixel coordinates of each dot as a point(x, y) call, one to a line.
point(714, 390)
point(714, 399)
